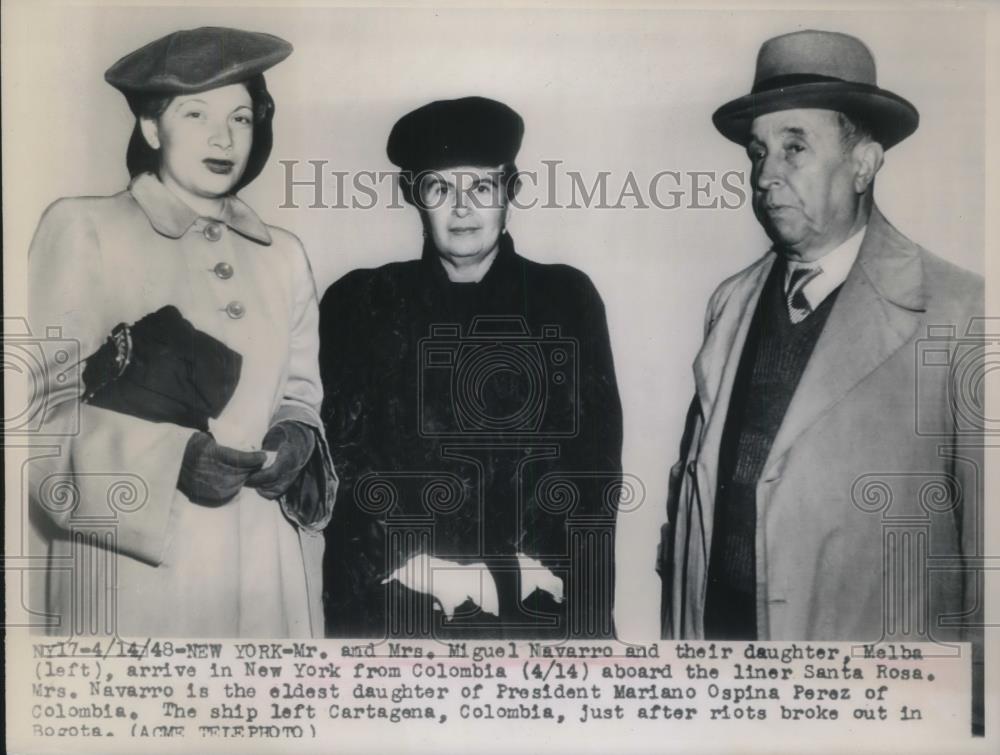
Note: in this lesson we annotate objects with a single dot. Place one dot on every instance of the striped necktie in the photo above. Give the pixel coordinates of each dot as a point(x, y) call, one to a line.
point(798, 305)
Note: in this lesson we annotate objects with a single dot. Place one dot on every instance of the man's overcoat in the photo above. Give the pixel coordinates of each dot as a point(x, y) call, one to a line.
point(873, 485)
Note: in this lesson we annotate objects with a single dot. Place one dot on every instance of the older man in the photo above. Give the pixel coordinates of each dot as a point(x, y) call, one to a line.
point(802, 507)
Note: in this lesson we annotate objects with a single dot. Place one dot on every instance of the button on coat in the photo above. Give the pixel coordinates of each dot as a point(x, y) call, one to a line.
point(242, 569)
point(213, 231)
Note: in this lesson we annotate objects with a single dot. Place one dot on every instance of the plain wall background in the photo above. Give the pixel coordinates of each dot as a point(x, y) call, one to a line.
point(599, 91)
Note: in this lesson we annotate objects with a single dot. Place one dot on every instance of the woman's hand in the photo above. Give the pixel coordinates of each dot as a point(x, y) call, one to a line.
point(213, 474)
point(294, 443)
point(536, 576)
point(449, 583)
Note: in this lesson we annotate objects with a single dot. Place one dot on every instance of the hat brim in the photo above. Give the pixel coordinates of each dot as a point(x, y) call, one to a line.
point(891, 117)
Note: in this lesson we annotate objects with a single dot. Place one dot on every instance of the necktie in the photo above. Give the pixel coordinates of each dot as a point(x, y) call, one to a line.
point(798, 305)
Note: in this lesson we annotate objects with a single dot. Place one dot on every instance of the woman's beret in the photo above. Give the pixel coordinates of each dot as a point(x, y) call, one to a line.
point(449, 133)
point(196, 60)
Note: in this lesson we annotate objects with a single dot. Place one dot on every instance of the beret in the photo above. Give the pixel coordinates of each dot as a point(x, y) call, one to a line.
point(196, 60)
point(448, 133)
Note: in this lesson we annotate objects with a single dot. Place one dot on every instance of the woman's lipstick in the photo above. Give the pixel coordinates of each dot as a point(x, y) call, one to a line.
point(221, 167)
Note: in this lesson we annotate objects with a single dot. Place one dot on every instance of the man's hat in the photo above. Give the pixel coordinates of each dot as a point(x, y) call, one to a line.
point(449, 133)
point(196, 60)
point(818, 69)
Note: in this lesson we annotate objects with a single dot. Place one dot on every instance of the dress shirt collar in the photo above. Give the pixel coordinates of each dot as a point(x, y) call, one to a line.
point(835, 264)
point(169, 215)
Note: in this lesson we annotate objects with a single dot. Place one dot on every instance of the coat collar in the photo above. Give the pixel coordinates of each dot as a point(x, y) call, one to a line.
point(169, 215)
point(875, 313)
point(893, 264)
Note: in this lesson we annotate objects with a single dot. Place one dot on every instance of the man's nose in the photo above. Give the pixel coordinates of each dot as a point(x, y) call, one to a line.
point(769, 172)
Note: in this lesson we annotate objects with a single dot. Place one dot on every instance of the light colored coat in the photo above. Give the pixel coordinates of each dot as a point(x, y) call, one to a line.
point(874, 482)
point(129, 553)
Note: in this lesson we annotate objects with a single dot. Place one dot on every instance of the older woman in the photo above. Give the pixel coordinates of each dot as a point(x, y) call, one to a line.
point(189, 477)
point(473, 410)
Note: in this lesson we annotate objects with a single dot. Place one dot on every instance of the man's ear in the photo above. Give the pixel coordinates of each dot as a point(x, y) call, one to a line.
point(868, 157)
point(150, 132)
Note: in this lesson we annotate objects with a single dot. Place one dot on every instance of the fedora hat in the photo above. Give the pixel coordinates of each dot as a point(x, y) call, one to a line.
point(818, 69)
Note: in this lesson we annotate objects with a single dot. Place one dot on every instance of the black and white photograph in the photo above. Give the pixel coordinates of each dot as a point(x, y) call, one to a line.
point(528, 371)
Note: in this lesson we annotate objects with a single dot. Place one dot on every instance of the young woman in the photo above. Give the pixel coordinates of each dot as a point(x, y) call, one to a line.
point(188, 479)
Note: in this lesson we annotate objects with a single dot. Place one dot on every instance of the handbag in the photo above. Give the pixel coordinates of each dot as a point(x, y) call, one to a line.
point(163, 369)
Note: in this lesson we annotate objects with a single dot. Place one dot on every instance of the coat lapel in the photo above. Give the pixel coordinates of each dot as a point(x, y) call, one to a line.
point(875, 313)
point(715, 370)
point(715, 365)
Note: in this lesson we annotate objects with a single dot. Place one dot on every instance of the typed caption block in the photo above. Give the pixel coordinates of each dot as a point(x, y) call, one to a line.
point(152, 695)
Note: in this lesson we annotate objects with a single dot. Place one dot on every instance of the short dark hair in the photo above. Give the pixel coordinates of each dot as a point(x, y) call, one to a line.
point(152, 105)
point(854, 130)
point(409, 183)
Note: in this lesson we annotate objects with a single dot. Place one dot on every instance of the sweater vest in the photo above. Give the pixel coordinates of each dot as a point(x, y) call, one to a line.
point(774, 357)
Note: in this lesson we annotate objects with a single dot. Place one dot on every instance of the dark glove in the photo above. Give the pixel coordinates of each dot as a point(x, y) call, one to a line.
point(211, 473)
point(294, 443)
